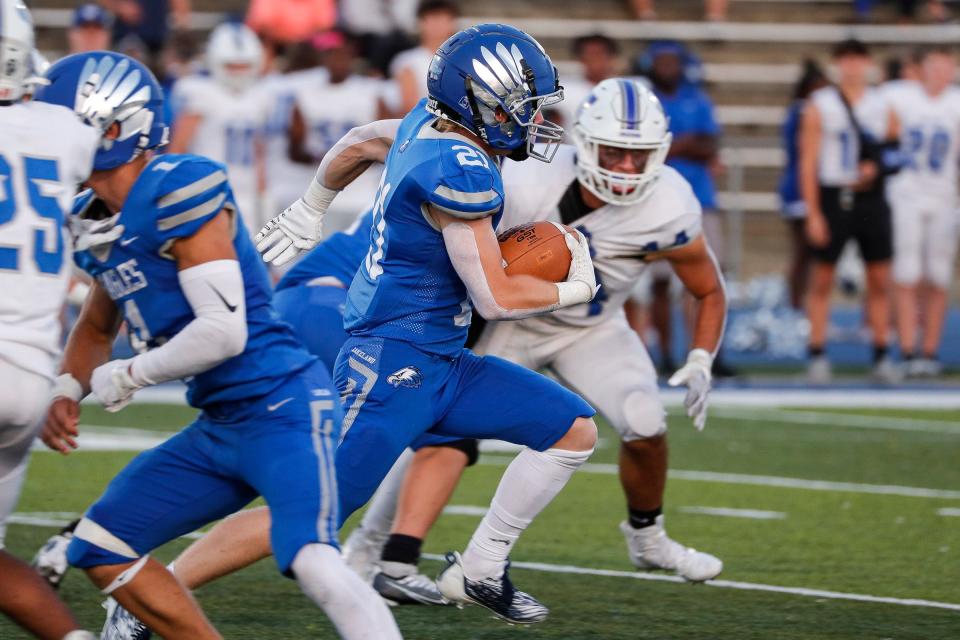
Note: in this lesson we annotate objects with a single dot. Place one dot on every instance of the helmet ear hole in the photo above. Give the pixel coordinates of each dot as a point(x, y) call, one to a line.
point(113, 131)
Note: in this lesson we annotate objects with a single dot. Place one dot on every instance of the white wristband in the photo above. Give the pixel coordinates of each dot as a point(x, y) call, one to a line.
point(571, 293)
point(66, 386)
point(318, 196)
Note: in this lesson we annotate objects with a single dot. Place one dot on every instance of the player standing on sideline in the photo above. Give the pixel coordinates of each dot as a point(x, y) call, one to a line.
point(924, 200)
point(169, 257)
point(842, 189)
point(224, 116)
point(46, 154)
point(614, 188)
point(404, 372)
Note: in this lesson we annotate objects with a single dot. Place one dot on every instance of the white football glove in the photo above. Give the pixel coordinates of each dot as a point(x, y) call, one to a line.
point(113, 385)
point(695, 374)
point(297, 229)
point(581, 283)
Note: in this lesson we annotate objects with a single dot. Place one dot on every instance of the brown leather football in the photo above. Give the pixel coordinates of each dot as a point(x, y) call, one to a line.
point(536, 249)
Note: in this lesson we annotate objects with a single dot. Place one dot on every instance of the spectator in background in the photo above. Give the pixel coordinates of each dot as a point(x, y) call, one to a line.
point(149, 20)
point(924, 199)
point(714, 10)
point(842, 188)
point(792, 207)
point(289, 21)
point(436, 21)
point(222, 116)
point(325, 112)
point(694, 153)
point(382, 29)
point(90, 30)
point(598, 57)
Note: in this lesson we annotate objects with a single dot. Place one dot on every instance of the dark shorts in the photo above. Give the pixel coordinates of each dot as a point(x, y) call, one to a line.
point(863, 217)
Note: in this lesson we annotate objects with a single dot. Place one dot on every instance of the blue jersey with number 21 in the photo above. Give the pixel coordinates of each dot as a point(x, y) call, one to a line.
point(406, 287)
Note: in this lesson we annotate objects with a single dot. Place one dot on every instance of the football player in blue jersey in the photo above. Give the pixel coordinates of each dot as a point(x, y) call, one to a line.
point(161, 236)
point(404, 371)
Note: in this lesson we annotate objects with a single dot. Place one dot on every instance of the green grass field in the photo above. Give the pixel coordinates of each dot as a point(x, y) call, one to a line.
point(872, 527)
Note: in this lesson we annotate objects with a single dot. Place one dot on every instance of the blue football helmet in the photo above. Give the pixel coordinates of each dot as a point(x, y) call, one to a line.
point(104, 88)
point(494, 79)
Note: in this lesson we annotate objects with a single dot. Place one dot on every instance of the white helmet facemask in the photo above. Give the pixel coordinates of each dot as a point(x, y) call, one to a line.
point(623, 114)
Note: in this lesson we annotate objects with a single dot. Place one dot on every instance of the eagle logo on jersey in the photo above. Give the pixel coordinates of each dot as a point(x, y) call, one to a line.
point(409, 377)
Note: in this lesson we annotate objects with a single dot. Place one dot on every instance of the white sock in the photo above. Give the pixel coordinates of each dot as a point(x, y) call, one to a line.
point(352, 605)
point(528, 485)
point(378, 519)
point(79, 635)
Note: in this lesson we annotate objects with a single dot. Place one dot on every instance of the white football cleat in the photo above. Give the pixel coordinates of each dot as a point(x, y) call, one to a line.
point(650, 548)
point(362, 551)
point(886, 372)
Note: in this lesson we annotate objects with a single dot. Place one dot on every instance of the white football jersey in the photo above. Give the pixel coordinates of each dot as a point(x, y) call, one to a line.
point(329, 111)
point(620, 237)
point(231, 124)
point(416, 60)
point(46, 153)
point(286, 180)
point(930, 136)
point(839, 142)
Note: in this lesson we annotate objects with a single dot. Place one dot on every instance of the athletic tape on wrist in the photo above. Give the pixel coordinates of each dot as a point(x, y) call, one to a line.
point(66, 386)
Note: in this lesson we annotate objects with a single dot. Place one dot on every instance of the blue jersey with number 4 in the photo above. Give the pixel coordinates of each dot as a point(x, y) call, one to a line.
point(406, 287)
point(173, 198)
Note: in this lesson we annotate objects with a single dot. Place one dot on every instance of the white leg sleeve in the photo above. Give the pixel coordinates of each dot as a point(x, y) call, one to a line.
point(528, 485)
point(353, 606)
point(378, 519)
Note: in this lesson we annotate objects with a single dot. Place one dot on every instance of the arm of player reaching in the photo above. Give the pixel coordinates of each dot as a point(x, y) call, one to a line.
point(88, 346)
point(818, 233)
point(475, 253)
point(300, 226)
point(697, 268)
point(212, 283)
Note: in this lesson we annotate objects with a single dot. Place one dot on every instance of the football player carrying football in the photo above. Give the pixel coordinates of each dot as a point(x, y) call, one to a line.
point(403, 372)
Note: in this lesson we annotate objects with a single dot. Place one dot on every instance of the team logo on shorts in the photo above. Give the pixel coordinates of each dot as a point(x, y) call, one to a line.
point(407, 377)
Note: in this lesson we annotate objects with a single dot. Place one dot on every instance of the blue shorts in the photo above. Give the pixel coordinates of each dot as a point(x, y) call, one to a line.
point(280, 446)
point(316, 315)
point(393, 394)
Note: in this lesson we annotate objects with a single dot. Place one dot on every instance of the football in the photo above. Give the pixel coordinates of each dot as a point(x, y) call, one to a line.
point(536, 249)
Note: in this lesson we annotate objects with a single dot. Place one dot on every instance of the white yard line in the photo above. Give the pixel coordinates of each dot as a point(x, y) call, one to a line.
point(726, 512)
point(949, 512)
point(727, 584)
point(769, 481)
point(105, 439)
point(464, 510)
point(837, 419)
point(41, 520)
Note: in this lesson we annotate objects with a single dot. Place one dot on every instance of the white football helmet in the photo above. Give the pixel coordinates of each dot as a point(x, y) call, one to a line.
point(38, 67)
point(621, 113)
point(16, 43)
point(234, 55)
